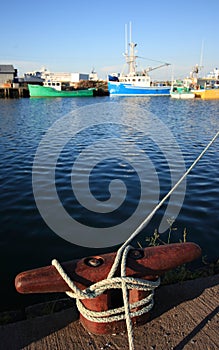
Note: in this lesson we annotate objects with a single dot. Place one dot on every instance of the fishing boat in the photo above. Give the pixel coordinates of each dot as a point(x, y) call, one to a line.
point(54, 89)
point(207, 94)
point(136, 83)
point(181, 91)
point(206, 88)
point(182, 94)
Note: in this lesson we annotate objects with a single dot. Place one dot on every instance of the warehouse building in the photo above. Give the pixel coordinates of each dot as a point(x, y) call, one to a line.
point(7, 74)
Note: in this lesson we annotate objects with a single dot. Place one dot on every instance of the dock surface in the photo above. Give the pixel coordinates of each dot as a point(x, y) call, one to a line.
point(185, 316)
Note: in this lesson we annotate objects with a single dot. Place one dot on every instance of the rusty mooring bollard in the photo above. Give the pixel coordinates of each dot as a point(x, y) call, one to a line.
point(147, 264)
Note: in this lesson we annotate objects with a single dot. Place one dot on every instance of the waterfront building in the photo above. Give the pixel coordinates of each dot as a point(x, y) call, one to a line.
point(8, 74)
point(76, 77)
point(62, 77)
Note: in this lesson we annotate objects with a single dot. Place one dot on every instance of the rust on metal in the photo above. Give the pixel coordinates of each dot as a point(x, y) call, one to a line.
point(148, 264)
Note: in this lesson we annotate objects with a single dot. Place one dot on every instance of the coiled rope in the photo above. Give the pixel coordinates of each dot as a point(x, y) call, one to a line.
point(123, 282)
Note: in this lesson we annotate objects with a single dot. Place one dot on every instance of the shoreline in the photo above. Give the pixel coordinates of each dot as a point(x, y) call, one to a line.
point(14, 92)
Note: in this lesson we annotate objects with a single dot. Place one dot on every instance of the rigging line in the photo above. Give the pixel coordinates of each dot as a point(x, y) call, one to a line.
point(150, 59)
point(142, 225)
point(149, 217)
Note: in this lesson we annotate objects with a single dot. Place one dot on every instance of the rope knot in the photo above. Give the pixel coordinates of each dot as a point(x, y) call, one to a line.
point(123, 283)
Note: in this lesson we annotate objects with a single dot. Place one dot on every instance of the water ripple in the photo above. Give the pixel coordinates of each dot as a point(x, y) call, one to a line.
point(24, 236)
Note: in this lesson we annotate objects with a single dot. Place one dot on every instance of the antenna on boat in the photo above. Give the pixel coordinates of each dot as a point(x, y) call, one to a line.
point(130, 31)
point(130, 57)
point(201, 55)
point(196, 69)
point(126, 40)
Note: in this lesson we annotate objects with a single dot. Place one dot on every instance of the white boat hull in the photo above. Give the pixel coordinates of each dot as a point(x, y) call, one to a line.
point(183, 96)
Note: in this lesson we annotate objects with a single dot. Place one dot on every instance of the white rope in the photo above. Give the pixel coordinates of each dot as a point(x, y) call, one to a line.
point(149, 217)
point(100, 287)
point(123, 282)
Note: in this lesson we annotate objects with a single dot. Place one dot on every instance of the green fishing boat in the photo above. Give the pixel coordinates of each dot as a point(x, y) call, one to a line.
point(56, 91)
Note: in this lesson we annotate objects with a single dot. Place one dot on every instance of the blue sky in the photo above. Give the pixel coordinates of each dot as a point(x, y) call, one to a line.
point(75, 36)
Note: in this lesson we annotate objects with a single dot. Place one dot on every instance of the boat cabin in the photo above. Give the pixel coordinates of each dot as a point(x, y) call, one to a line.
point(139, 80)
point(57, 85)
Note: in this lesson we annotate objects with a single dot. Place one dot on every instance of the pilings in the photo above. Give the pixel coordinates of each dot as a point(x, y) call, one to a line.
point(12, 92)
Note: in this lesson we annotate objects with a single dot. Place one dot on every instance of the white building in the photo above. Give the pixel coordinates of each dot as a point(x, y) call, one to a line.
point(57, 76)
point(76, 77)
point(63, 77)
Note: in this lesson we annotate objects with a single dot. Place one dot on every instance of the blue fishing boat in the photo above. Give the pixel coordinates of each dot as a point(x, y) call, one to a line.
point(136, 83)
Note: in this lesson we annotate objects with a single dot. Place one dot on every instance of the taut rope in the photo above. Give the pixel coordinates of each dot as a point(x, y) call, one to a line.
point(123, 282)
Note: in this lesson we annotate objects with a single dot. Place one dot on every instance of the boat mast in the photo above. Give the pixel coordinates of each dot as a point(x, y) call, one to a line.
point(130, 56)
point(201, 56)
point(126, 40)
point(198, 67)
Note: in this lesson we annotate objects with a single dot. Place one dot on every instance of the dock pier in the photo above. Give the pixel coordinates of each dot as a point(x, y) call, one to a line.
point(185, 316)
point(14, 92)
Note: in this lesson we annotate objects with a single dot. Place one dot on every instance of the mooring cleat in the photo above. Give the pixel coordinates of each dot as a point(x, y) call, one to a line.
point(145, 264)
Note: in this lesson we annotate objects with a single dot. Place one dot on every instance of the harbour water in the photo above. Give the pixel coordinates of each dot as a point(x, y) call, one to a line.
point(26, 240)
